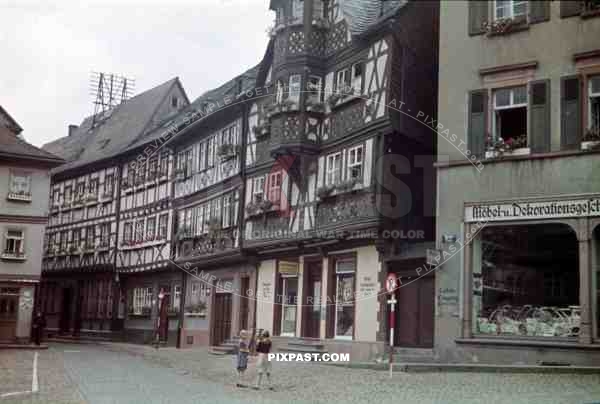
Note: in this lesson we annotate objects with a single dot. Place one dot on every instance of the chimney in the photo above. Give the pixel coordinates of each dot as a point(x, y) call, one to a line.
point(72, 129)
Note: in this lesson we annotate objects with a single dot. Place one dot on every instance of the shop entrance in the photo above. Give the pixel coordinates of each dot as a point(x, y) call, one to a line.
point(222, 318)
point(311, 315)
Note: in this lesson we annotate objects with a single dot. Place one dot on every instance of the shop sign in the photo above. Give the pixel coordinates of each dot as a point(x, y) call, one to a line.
point(532, 210)
point(288, 268)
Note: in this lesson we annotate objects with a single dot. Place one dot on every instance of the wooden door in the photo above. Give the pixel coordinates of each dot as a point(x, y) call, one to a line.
point(65, 312)
point(9, 306)
point(311, 315)
point(415, 312)
point(222, 318)
point(244, 306)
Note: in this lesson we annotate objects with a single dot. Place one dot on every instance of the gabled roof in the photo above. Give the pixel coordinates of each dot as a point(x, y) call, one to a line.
point(232, 88)
point(121, 126)
point(14, 147)
point(12, 124)
point(363, 15)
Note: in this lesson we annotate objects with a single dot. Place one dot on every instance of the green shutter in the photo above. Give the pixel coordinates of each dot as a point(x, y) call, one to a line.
point(539, 11)
point(539, 116)
point(477, 122)
point(570, 112)
point(478, 15)
point(570, 8)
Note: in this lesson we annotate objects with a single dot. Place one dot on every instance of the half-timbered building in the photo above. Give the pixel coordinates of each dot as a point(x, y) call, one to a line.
point(85, 245)
point(327, 151)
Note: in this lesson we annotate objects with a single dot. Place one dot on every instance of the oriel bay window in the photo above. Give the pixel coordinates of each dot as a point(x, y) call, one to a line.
point(526, 282)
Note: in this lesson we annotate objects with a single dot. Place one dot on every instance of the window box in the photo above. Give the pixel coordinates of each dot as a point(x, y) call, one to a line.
point(346, 186)
point(19, 196)
point(502, 26)
point(259, 207)
point(13, 256)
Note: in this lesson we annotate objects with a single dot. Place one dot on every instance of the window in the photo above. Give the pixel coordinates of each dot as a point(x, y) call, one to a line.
point(142, 301)
point(355, 161)
point(162, 225)
point(344, 310)
point(176, 298)
point(258, 189)
point(105, 234)
point(174, 101)
point(227, 211)
point(211, 149)
point(521, 287)
point(139, 230)
point(289, 303)
point(295, 87)
point(90, 237)
point(93, 187)
point(279, 92)
point(202, 157)
point(314, 89)
point(13, 246)
point(56, 197)
point(150, 228)
point(279, 16)
point(510, 8)
point(76, 238)
point(274, 192)
point(152, 168)
point(357, 78)
point(127, 232)
point(109, 184)
point(510, 115)
point(68, 195)
point(80, 191)
point(164, 164)
point(20, 186)
point(184, 162)
point(342, 82)
point(140, 172)
point(333, 169)
point(64, 239)
point(594, 109)
point(130, 174)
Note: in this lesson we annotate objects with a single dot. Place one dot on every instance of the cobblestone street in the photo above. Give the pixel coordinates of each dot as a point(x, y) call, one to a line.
point(121, 373)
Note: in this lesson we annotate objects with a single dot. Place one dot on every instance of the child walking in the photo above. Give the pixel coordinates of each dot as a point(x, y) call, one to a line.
point(242, 357)
point(263, 366)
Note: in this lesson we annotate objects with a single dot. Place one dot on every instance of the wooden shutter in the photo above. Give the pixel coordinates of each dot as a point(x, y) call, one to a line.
point(478, 15)
point(570, 112)
point(539, 116)
point(569, 8)
point(539, 11)
point(477, 121)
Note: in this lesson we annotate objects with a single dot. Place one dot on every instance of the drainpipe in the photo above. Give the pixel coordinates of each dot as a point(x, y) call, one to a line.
point(181, 323)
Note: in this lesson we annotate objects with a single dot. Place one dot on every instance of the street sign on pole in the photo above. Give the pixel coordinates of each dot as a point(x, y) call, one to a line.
point(391, 284)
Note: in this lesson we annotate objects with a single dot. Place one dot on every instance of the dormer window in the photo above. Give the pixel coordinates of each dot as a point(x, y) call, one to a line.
point(510, 9)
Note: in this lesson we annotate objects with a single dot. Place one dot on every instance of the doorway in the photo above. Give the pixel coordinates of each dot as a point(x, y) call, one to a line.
point(244, 306)
point(311, 315)
point(415, 311)
point(9, 304)
point(65, 311)
point(222, 318)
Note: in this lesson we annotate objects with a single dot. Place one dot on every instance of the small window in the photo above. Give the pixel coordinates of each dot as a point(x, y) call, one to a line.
point(68, 195)
point(93, 187)
point(150, 228)
point(258, 189)
point(355, 163)
point(108, 185)
point(343, 82)
point(80, 191)
point(142, 301)
point(127, 232)
point(14, 243)
point(333, 169)
point(162, 225)
point(20, 184)
point(274, 192)
point(357, 78)
point(90, 236)
point(56, 197)
point(174, 102)
point(314, 89)
point(139, 230)
point(279, 92)
point(295, 87)
point(510, 9)
point(164, 164)
point(227, 211)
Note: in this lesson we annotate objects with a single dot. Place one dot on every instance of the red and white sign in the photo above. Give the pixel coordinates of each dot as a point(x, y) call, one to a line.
point(391, 283)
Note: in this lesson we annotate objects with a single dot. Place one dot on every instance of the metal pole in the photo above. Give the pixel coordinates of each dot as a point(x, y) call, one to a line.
point(392, 302)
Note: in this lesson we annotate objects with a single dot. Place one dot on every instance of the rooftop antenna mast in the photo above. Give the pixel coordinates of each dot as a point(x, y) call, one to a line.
point(108, 90)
